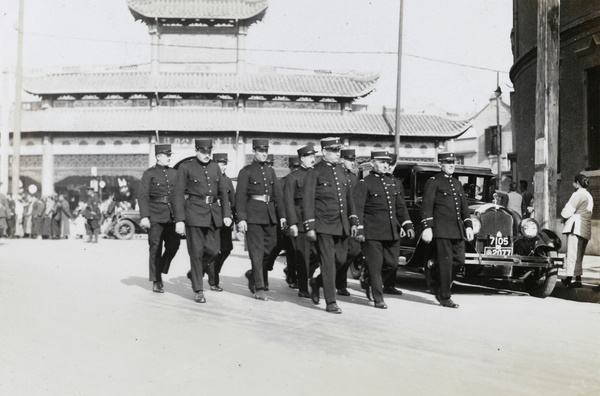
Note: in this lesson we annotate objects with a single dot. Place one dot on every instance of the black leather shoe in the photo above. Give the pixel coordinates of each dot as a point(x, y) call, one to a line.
point(250, 281)
point(189, 275)
point(343, 292)
point(446, 302)
point(156, 287)
point(216, 288)
point(161, 284)
point(199, 298)
point(575, 285)
point(566, 281)
point(261, 295)
point(392, 290)
point(293, 285)
point(266, 288)
point(381, 305)
point(304, 294)
point(333, 308)
point(314, 291)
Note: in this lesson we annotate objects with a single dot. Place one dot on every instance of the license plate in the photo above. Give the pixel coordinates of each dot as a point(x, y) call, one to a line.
point(498, 251)
point(498, 245)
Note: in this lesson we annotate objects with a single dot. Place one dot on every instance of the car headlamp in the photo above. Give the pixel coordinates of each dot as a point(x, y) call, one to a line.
point(476, 224)
point(529, 228)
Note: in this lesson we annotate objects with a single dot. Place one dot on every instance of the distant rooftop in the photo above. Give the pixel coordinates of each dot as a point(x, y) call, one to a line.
point(197, 9)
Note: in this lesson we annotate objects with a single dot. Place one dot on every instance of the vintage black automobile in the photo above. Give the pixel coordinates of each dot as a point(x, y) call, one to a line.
point(505, 247)
point(125, 224)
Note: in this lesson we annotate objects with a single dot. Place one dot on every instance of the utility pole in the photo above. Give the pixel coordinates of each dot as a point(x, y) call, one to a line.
point(547, 116)
point(399, 83)
point(16, 154)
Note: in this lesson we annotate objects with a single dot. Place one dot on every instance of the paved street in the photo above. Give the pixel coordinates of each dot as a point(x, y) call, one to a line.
point(80, 319)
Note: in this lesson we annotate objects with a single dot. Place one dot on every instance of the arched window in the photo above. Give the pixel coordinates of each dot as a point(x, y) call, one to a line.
point(83, 143)
point(118, 143)
point(135, 142)
point(100, 143)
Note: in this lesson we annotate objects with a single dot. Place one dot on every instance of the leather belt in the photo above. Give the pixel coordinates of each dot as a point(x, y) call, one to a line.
point(205, 198)
point(262, 198)
point(159, 198)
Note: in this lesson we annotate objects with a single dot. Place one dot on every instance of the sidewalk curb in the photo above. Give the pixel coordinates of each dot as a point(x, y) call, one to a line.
point(584, 294)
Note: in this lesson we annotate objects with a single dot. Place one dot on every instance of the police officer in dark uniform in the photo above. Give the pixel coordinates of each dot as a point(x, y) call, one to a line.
point(201, 206)
point(288, 242)
point(293, 196)
point(92, 214)
point(258, 201)
point(446, 223)
point(329, 218)
point(156, 211)
point(214, 268)
point(382, 213)
point(341, 277)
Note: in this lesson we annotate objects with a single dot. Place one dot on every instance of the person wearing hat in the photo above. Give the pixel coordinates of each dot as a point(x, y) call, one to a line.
point(156, 212)
point(92, 214)
point(293, 196)
point(284, 241)
point(341, 278)
point(259, 204)
point(446, 223)
point(214, 268)
point(382, 214)
point(200, 207)
point(329, 218)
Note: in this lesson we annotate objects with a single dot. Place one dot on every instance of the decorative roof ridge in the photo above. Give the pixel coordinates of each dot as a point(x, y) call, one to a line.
point(198, 9)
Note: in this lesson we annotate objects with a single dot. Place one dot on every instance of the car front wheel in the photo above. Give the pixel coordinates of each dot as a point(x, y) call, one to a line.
point(541, 283)
point(124, 229)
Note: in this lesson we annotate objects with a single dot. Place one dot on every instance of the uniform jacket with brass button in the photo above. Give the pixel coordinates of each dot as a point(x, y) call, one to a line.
point(444, 207)
point(293, 195)
point(381, 208)
point(195, 182)
point(328, 205)
point(258, 179)
point(157, 182)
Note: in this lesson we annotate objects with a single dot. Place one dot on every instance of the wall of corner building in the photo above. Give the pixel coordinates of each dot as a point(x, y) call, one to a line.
point(575, 34)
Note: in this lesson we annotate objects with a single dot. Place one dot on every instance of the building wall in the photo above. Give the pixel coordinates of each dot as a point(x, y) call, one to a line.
point(579, 22)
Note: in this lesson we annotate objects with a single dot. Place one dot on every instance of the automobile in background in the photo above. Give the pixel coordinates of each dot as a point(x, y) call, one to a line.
point(505, 246)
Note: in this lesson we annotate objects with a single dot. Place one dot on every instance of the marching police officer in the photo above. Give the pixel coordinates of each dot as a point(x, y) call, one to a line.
point(382, 212)
point(258, 202)
point(154, 198)
point(287, 242)
point(329, 218)
point(92, 214)
point(214, 268)
point(446, 223)
point(201, 206)
point(293, 196)
point(341, 277)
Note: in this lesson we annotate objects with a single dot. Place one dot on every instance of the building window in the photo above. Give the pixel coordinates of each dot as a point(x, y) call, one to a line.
point(83, 143)
point(593, 118)
point(492, 140)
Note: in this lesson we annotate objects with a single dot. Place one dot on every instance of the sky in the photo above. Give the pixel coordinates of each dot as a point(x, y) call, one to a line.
point(451, 48)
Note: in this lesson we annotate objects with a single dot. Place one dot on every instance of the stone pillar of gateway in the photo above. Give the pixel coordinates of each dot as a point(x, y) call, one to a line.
point(47, 166)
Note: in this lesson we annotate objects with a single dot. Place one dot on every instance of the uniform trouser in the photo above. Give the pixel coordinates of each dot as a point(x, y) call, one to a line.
point(381, 258)
point(332, 251)
point(341, 277)
point(302, 248)
point(575, 250)
point(450, 256)
point(262, 239)
point(289, 244)
point(161, 234)
point(92, 227)
point(203, 245)
point(274, 253)
point(214, 268)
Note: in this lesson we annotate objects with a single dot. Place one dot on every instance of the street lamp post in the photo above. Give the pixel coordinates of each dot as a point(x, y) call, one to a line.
point(498, 93)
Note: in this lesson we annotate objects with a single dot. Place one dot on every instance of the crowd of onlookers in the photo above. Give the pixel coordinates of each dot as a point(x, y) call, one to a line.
point(49, 217)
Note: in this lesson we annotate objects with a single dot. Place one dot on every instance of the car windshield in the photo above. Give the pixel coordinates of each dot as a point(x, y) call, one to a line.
point(477, 188)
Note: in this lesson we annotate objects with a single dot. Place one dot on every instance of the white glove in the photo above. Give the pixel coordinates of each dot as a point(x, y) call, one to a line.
point(470, 234)
point(180, 228)
point(427, 235)
point(294, 231)
point(227, 222)
point(145, 222)
point(242, 226)
point(282, 223)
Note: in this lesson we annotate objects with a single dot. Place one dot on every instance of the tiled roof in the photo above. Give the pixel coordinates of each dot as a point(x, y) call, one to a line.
point(427, 125)
point(349, 85)
point(198, 9)
point(225, 119)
